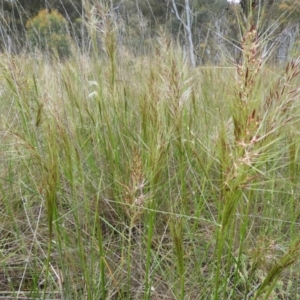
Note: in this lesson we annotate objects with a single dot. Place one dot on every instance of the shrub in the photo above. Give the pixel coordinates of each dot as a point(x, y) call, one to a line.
point(49, 32)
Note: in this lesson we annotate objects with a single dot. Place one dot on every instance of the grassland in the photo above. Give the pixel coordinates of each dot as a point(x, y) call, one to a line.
point(141, 178)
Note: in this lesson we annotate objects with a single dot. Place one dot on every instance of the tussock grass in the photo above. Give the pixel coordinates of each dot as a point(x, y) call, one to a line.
point(141, 178)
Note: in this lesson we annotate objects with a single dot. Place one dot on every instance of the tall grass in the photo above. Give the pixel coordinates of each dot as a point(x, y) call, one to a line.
point(141, 178)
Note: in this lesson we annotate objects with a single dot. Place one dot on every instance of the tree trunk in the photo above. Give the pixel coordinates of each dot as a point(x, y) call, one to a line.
point(188, 29)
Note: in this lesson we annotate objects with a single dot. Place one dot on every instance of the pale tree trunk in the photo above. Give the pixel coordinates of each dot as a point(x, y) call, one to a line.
point(286, 43)
point(188, 28)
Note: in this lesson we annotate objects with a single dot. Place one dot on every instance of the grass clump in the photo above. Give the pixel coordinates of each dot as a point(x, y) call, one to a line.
point(142, 178)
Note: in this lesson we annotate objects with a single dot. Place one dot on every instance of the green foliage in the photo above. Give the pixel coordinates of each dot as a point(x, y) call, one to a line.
point(49, 32)
point(130, 177)
point(144, 178)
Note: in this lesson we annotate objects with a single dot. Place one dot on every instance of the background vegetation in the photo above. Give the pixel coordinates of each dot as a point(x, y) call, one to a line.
point(215, 31)
point(127, 173)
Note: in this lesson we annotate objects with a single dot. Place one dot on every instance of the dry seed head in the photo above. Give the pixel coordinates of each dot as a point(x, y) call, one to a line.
point(140, 200)
point(247, 122)
point(265, 254)
point(134, 195)
point(137, 176)
point(282, 96)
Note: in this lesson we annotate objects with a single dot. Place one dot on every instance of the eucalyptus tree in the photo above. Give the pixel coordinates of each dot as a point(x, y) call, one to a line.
point(187, 24)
